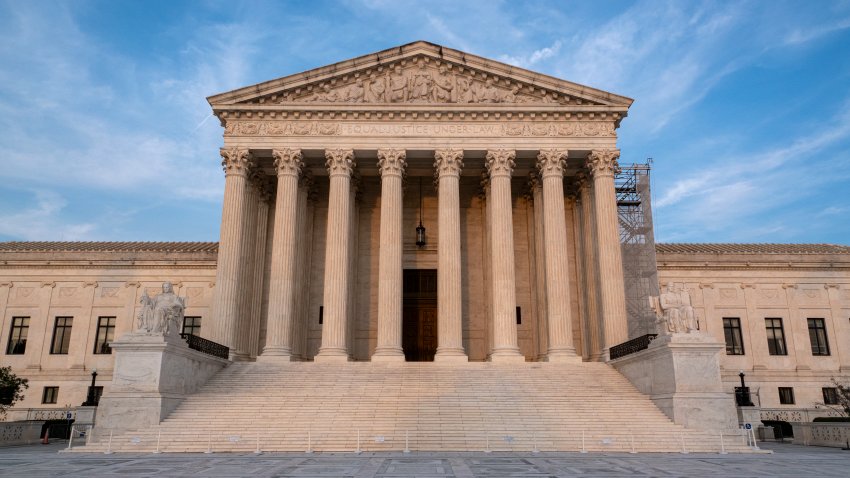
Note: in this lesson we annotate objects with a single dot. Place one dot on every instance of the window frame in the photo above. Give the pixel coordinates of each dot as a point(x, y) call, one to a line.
point(774, 340)
point(194, 328)
point(830, 395)
point(17, 345)
point(729, 331)
point(822, 349)
point(53, 392)
point(108, 330)
point(64, 346)
point(786, 394)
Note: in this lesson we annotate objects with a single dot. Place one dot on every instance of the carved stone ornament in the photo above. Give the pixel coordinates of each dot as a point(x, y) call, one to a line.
point(674, 312)
point(288, 161)
point(236, 161)
point(500, 162)
point(391, 162)
point(422, 81)
point(448, 162)
point(340, 161)
point(162, 314)
point(551, 162)
point(603, 162)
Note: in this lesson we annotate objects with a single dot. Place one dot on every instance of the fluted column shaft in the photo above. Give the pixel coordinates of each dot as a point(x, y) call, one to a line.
point(236, 163)
point(500, 164)
point(591, 282)
point(340, 164)
point(391, 164)
point(448, 164)
point(603, 165)
point(260, 248)
point(246, 272)
point(551, 166)
point(303, 251)
point(536, 187)
point(282, 280)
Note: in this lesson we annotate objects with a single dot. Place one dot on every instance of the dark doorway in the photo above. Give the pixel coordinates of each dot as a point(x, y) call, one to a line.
point(419, 331)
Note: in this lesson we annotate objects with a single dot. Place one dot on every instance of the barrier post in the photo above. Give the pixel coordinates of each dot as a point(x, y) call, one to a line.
point(406, 442)
point(209, 444)
point(109, 444)
point(583, 449)
point(71, 437)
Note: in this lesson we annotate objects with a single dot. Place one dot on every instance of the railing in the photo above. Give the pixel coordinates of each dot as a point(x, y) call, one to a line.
point(206, 346)
point(635, 345)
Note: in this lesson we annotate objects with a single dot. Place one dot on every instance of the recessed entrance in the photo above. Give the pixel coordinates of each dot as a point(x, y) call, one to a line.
point(419, 330)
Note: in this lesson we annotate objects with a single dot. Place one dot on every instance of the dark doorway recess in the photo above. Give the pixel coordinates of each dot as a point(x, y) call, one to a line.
point(419, 331)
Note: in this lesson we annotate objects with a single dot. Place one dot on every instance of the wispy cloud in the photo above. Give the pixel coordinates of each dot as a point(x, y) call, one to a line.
point(43, 221)
point(798, 35)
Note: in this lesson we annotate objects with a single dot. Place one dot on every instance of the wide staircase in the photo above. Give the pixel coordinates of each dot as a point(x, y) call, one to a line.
point(363, 406)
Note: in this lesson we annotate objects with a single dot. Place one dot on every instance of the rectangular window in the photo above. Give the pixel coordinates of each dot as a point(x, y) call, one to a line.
point(817, 336)
point(775, 337)
point(830, 396)
point(518, 315)
point(61, 335)
point(734, 339)
point(50, 395)
point(18, 336)
point(786, 395)
point(105, 334)
point(191, 325)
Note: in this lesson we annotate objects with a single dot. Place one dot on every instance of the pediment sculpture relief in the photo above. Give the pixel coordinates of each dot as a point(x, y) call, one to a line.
point(422, 82)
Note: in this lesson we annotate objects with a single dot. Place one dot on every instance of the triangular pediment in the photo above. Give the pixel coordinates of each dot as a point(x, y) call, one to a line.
point(419, 73)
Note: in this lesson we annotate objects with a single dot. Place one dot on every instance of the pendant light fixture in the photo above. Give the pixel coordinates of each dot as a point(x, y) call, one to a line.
point(420, 230)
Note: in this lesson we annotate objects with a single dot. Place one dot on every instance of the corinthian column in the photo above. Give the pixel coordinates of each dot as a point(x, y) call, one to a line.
point(551, 165)
point(282, 281)
point(591, 283)
point(602, 165)
point(340, 164)
point(448, 163)
point(391, 164)
point(236, 163)
point(500, 165)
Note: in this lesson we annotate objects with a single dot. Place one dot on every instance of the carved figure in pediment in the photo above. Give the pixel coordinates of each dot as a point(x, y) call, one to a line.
point(486, 93)
point(674, 310)
point(398, 86)
point(376, 92)
point(510, 96)
point(356, 92)
point(464, 92)
point(420, 84)
point(161, 314)
point(326, 95)
point(443, 86)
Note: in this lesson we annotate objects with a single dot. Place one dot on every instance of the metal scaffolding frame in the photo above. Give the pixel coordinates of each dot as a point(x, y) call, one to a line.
point(637, 241)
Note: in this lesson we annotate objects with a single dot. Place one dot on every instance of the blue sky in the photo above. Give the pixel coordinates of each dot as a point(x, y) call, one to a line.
point(105, 132)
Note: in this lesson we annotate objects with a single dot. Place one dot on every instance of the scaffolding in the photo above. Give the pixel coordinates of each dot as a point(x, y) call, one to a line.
point(637, 241)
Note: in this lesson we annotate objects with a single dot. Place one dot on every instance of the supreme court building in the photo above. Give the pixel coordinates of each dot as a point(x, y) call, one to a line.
point(420, 204)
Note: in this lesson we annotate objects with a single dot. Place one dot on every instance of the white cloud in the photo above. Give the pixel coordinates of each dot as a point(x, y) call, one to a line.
point(43, 221)
point(799, 36)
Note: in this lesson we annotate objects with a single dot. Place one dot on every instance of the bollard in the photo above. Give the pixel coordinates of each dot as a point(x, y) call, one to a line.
point(358, 442)
point(257, 450)
point(109, 444)
point(486, 444)
point(89, 433)
point(71, 437)
point(583, 449)
point(682, 439)
point(158, 436)
point(722, 446)
point(534, 444)
point(209, 445)
point(632, 436)
point(309, 442)
point(406, 442)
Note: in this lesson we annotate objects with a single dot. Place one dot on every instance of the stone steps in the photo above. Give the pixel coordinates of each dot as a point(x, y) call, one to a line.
point(423, 406)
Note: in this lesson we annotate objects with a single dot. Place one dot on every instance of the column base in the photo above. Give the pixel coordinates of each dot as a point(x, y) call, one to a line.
point(450, 355)
point(276, 358)
point(563, 357)
point(239, 357)
point(507, 356)
point(388, 355)
point(331, 356)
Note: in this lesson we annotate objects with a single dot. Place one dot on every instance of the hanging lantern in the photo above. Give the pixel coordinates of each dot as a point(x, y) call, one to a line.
point(420, 230)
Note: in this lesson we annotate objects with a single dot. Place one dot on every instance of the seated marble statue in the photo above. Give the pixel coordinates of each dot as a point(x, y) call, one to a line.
point(163, 313)
point(674, 310)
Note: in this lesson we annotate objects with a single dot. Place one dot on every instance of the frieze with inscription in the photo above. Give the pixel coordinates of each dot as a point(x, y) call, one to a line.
point(320, 128)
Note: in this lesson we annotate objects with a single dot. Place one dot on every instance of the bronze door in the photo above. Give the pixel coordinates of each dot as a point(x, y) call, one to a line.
point(419, 332)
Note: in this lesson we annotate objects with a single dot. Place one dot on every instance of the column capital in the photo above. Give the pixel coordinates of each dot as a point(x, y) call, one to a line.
point(551, 162)
point(583, 180)
point(448, 162)
point(500, 162)
point(603, 162)
point(288, 161)
point(340, 162)
point(391, 162)
point(235, 161)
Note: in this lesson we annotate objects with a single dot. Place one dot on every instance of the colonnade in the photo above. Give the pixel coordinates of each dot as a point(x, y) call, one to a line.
point(236, 307)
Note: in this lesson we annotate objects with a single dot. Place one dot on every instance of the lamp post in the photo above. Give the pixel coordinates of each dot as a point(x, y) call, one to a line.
point(743, 397)
point(91, 400)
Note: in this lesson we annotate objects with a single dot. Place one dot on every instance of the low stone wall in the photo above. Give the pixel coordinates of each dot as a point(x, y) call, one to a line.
point(822, 434)
point(19, 433)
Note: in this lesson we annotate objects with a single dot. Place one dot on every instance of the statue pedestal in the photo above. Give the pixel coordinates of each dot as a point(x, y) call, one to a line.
point(152, 375)
point(681, 374)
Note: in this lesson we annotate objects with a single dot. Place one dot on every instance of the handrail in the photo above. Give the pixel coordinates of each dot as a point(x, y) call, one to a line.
point(629, 347)
point(206, 346)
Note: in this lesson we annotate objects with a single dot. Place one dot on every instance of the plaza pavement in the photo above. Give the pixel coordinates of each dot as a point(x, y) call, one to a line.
point(37, 461)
